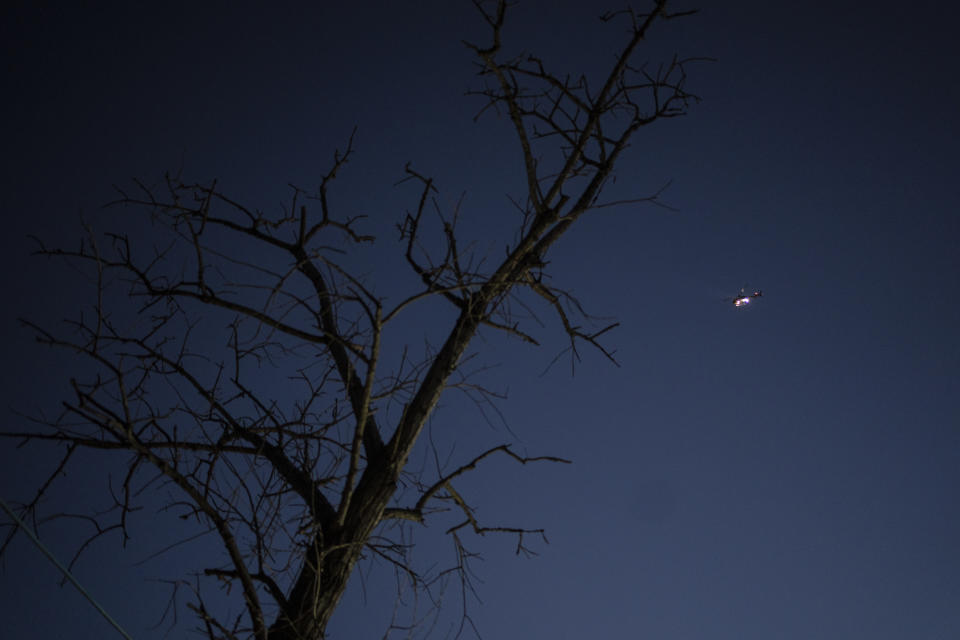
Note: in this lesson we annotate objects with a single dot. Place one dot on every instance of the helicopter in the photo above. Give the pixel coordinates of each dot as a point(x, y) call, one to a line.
point(744, 298)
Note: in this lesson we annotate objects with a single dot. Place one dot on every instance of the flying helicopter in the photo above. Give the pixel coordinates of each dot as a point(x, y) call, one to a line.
point(743, 298)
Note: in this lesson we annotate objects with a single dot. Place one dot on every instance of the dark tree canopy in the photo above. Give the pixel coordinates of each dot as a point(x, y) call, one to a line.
point(190, 333)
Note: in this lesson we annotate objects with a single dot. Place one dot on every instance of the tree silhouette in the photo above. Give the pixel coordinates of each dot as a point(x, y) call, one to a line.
point(298, 494)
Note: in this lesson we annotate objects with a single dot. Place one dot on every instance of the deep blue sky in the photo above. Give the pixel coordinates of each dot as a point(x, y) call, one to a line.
point(788, 471)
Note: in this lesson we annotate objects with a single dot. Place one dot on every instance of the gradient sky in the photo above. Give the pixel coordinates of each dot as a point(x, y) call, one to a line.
point(790, 470)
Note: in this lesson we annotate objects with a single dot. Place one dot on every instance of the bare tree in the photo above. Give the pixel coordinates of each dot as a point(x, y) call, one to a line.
point(299, 494)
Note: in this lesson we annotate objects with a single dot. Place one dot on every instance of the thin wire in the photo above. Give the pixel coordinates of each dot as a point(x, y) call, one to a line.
point(62, 568)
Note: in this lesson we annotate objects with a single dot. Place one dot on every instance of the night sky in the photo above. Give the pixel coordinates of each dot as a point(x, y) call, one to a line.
point(789, 470)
